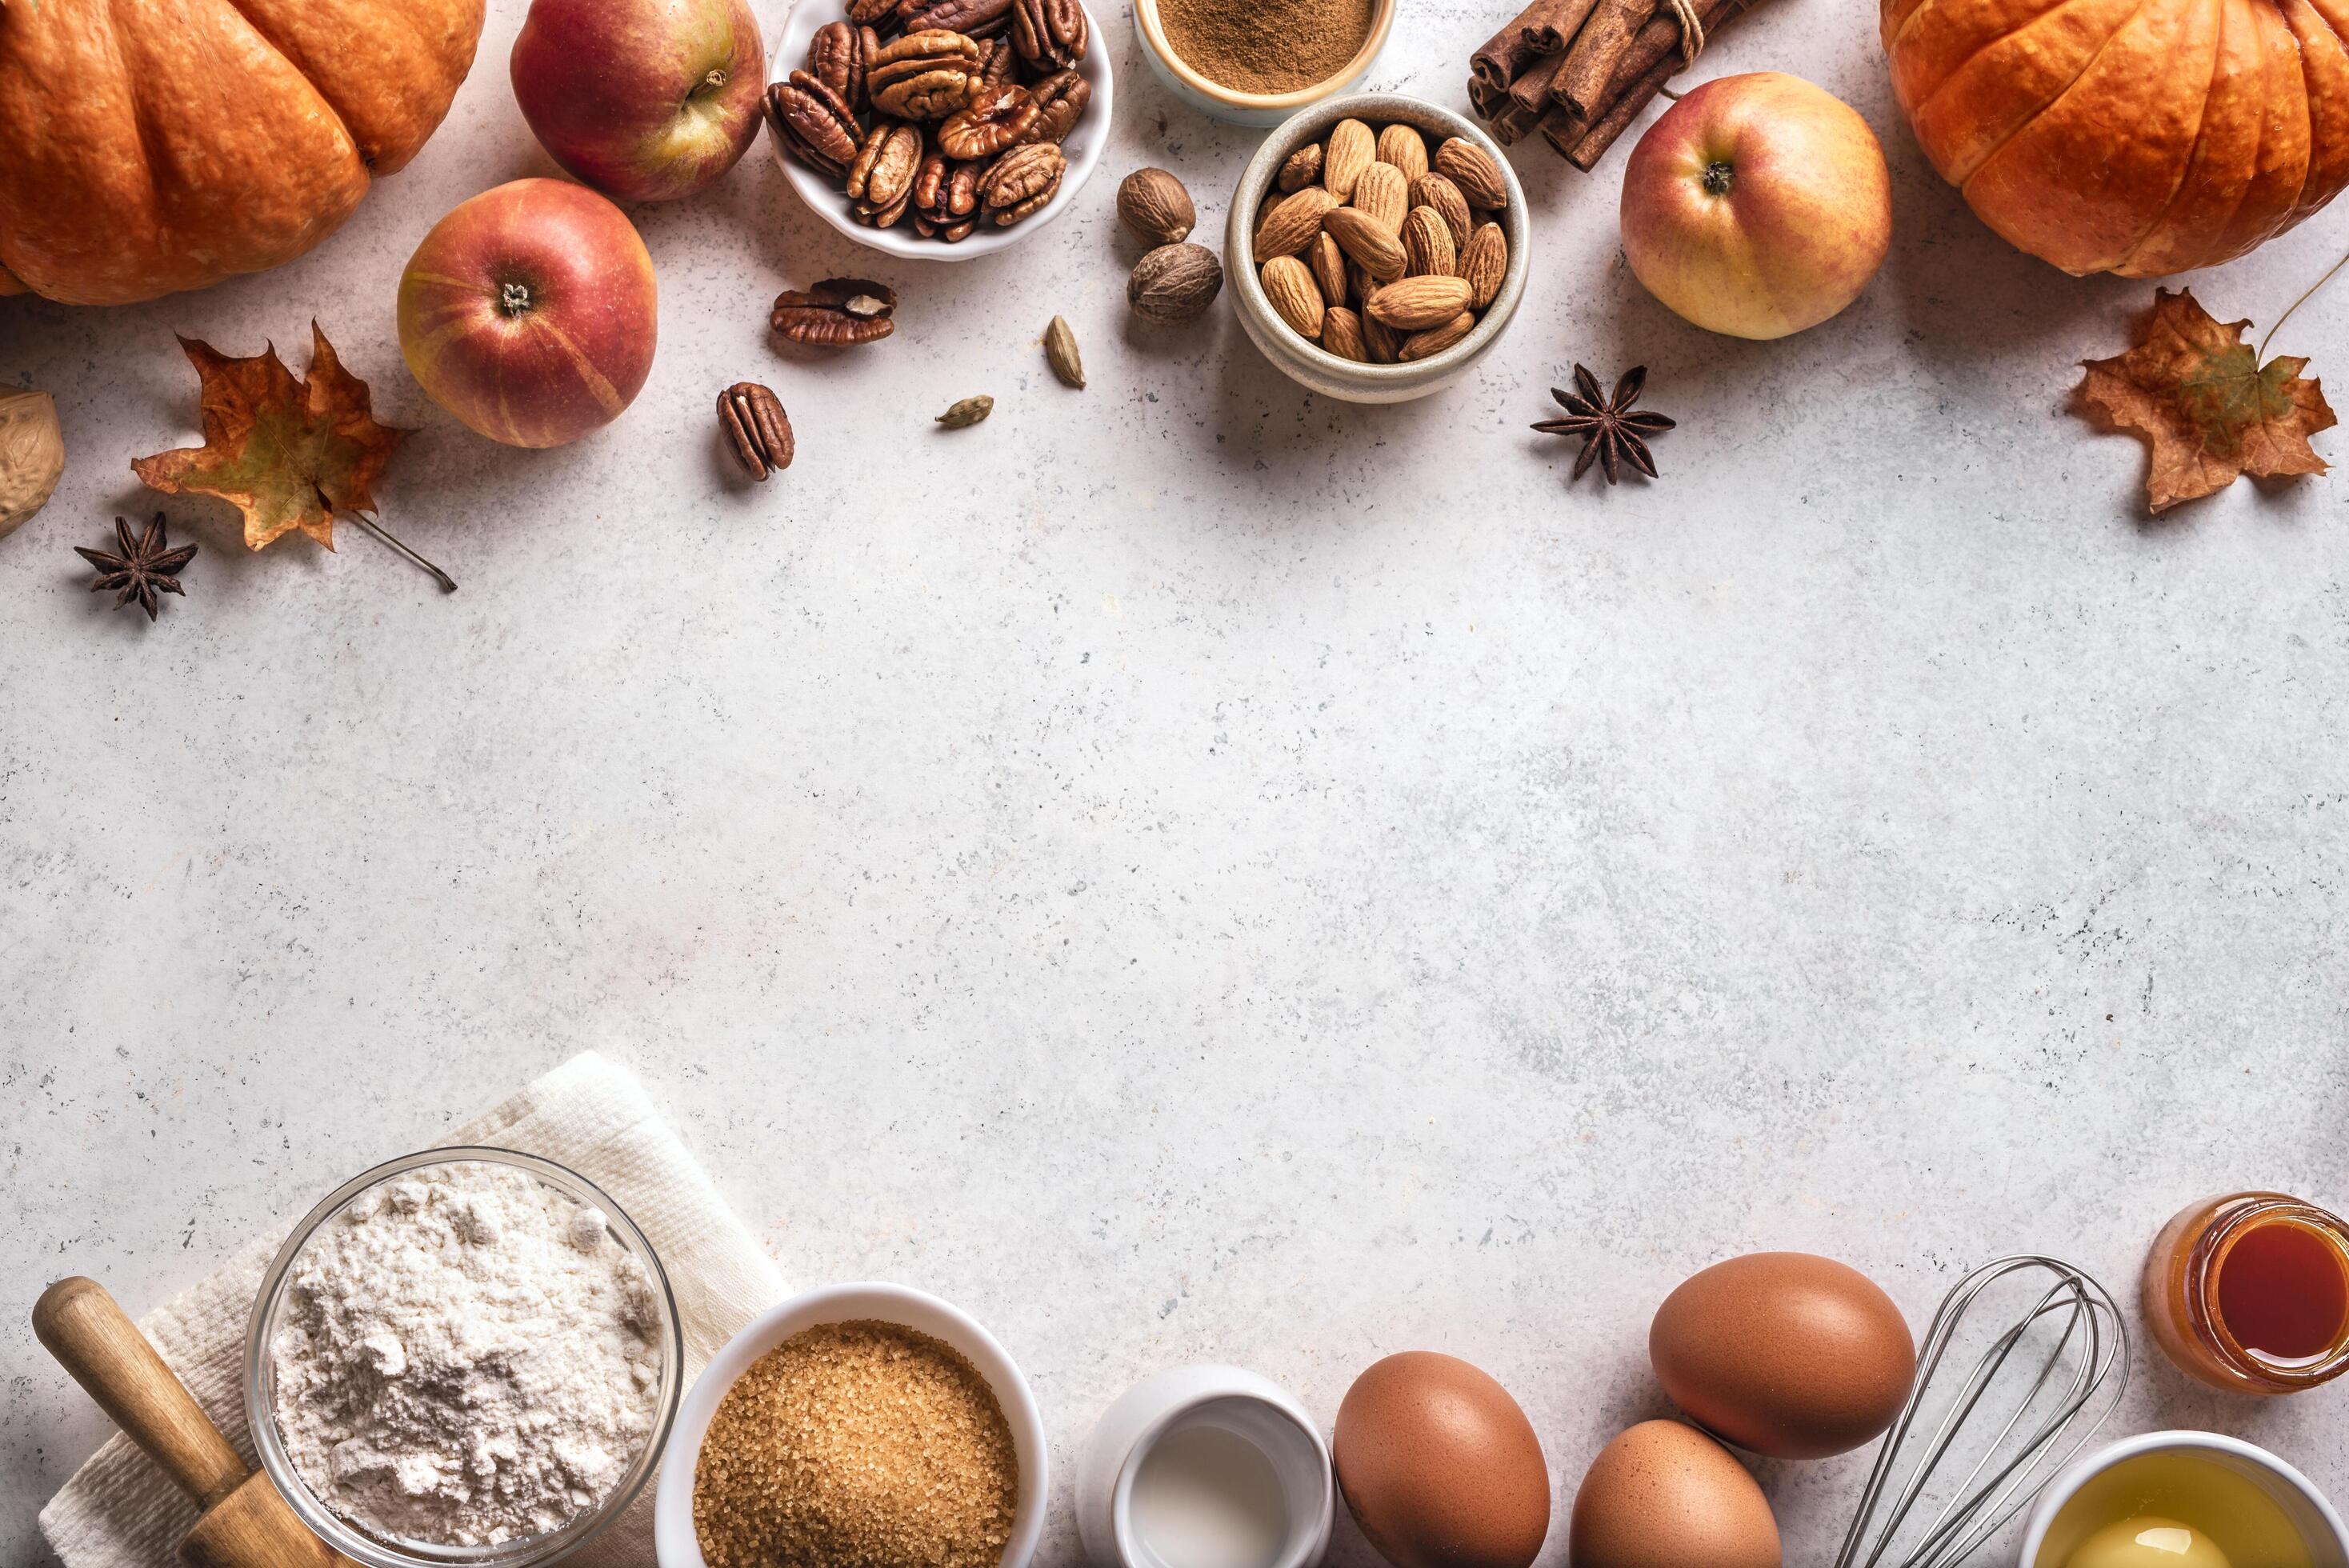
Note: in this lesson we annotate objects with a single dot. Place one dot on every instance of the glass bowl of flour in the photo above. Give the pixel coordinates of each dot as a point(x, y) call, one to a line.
point(466, 1356)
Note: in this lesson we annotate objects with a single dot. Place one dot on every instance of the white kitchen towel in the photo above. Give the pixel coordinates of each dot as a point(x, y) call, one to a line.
point(590, 1114)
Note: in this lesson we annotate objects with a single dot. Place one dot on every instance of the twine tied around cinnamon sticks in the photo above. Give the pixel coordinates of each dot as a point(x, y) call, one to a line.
point(1581, 71)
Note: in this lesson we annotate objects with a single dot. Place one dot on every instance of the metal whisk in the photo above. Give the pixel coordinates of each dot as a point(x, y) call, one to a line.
point(2074, 1334)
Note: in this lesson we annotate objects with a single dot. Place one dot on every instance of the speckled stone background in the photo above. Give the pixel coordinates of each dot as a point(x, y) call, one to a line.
point(1187, 869)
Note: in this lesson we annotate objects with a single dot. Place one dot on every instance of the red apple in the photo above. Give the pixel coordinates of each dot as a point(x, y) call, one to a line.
point(1757, 206)
point(529, 312)
point(643, 99)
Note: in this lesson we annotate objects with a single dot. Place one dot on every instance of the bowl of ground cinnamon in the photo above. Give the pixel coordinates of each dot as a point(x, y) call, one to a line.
point(860, 1426)
point(1256, 62)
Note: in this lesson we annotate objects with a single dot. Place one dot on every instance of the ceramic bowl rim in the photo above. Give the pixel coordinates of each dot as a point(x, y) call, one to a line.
point(674, 1543)
point(2066, 1486)
point(1248, 288)
point(819, 197)
point(1154, 39)
point(529, 1552)
point(1312, 1535)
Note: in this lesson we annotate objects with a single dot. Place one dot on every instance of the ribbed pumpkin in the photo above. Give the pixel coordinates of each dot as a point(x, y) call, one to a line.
point(2138, 137)
point(153, 145)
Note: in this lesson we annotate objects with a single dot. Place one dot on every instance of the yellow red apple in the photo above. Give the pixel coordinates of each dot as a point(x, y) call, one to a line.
point(530, 312)
point(646, 100)
point(1757, 205)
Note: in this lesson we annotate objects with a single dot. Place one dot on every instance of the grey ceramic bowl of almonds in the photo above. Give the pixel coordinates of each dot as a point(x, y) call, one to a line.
point(1307, 363)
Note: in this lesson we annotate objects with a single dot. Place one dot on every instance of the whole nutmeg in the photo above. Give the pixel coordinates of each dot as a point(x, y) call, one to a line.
point(1175, 283)
point(1152, 205)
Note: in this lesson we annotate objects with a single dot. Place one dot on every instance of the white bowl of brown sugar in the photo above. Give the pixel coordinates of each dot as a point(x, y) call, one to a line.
point(859, 1423)
point(1256, 62)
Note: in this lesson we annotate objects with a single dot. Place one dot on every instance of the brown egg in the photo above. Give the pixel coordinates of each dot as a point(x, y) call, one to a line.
point(1664, 1495)
point(1788, 1354)
point(1440, 1467)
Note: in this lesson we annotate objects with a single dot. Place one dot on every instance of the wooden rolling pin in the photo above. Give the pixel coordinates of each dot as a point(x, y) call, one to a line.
point(245, 1523)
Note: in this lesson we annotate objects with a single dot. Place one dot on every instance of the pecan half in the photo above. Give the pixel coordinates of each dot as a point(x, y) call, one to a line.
point(972, 18)
point(885, 165)
point(1051, 34)
point(872, 13)
point(1061, 100)
point(997, 59)
point(757, 431)
point(926, 74)
point(837, 312)
point(1020, 182)
point(814, 122)
point(834, 58)
point(990, 123)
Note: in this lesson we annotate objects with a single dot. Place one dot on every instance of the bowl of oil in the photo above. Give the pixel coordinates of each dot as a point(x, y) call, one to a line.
point(2183, 1499)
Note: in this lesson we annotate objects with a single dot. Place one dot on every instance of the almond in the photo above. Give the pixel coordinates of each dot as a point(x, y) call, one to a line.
point(1436, 190)
point(1474, 171)
point(1383, 193)
point(1360, 284)
point(1289, 285)
point(1406, 149)
point(1365, 241)
point(1328, 264)
point(1484, 263)
point(1383, 342)
point(1301, 167)
point(1426, 244)
point(1435, 340)
point(1351, 150)
point(1342, 335)
point(1290, 226)
point(1414, 304)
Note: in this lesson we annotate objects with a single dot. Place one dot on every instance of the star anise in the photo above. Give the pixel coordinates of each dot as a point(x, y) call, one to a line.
point(144, 568)
point(1610, 430)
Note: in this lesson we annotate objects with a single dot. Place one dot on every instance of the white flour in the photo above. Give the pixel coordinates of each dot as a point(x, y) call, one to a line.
point(465, 1358)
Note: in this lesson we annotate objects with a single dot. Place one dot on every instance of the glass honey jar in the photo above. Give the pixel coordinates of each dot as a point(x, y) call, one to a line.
point(2250, 1293)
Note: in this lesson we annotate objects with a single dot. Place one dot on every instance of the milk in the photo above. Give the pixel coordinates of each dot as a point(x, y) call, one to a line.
point(1205, 1497)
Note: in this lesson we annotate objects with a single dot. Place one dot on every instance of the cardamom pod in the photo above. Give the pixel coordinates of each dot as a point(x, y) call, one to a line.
point(970, 411)
point(1061, 353)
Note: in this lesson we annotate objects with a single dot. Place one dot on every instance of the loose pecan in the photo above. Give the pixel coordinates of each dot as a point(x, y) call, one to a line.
point(757, 431)
point(972, 18)
point(1051, 34)
point(990, 123)
point(1020, 182)
point(926, 74)
point(1061, 100)
point(814, 122)
point(837, 312)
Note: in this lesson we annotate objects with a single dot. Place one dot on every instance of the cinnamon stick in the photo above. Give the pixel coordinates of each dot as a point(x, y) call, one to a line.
point(1586, 153)
point(1509, 126)
point(1485, 99)
point(1530, 91)
point(1563, 131)
point(1581, 85)
point(1555, 29)
point(1520, 42)
point(1652, 60)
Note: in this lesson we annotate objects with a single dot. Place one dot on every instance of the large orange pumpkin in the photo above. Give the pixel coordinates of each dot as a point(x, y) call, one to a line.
point(2140, 137)
point(153, 145)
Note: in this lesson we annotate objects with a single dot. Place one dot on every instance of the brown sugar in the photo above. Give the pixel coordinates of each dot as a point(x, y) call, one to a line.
point(1266, 45)
point(857, 1445)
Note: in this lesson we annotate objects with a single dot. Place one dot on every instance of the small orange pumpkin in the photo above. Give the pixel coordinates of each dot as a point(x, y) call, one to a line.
point(2138, 137)
point(153, 145)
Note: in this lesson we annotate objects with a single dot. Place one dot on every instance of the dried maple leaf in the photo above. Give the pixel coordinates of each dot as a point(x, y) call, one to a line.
point(286, 453)
point(2210, 410)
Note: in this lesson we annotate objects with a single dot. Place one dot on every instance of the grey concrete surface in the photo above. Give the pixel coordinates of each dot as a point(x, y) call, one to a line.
point(1185, 869)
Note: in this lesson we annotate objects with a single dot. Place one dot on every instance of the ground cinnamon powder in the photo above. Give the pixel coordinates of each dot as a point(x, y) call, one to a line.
point(857, 1445)
point(1266, 45)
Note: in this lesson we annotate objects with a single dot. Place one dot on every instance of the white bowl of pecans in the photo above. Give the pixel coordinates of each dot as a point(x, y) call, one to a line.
point(1377, 247)
point(939, 130)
